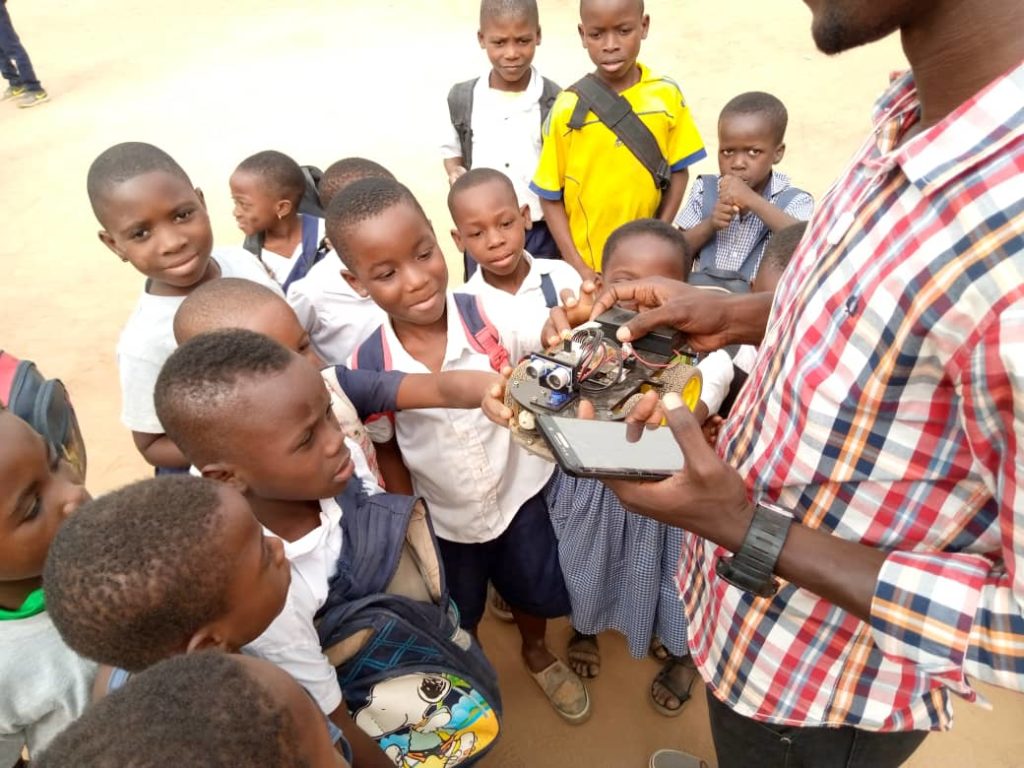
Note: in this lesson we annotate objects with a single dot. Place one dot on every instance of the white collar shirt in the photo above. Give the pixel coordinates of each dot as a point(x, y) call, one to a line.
point(530, 293)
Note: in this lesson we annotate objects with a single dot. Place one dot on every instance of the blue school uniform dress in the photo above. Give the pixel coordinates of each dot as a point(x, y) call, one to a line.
point(619, 567)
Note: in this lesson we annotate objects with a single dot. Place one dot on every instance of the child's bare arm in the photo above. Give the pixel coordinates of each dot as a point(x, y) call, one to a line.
point(392, 468)
point(159, 450)
point(700, 235)
point(365, 751)
point(673, 196)
point(454, 167)
point(558, 224)
point(448, 389)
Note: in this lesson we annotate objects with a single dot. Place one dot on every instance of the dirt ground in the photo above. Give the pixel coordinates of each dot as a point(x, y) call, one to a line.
point(213, 82)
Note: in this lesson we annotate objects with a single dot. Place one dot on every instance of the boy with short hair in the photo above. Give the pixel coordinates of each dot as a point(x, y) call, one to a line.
point(44, 685)
point(493, 229)
point(336, 317)
point(589, 179)
point(729, 219)
point(484, 491)
point(154, 219)
point(496, 118)
point(210, 709)
point(266, 189)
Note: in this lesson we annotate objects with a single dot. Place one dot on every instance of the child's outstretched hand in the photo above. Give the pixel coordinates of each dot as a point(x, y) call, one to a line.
point(574, 310)
point(493, 404)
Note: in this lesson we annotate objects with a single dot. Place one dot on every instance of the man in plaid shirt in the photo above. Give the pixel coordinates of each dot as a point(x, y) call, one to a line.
point(884, 414)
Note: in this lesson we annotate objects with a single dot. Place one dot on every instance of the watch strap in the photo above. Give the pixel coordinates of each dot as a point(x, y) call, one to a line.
point(751, 568)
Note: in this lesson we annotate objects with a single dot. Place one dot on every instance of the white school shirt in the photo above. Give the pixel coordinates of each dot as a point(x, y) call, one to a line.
point(717, 371)
point(336, 318)
point(530, 293)
point(147, 340)
point(291, 641)
point(472, 475)
point(44, 686)
point(506, 134)
point(281, 266)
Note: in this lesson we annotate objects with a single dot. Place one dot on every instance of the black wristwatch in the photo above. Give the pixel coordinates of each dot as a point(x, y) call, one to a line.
point(752, 566)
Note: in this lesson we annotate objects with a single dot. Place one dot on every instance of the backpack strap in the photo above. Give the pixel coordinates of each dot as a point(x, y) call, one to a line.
point(460, 110)
point(310, 202)
point(617, 114)
point(482, 334)
point(548, 94)
point(254, 244)
point(311, 252)
point(547, 287)
point(373, 354)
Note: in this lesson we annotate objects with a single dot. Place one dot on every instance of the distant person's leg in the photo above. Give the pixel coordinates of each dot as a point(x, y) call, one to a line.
point(17, 67)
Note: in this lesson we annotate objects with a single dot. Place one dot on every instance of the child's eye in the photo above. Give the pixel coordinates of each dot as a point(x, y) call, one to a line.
point(425, 256)
point(306, 440)
point(138, 234)
point(475, 233)
point(726, 152)
point(184, 215)
point(754, 152)
point(35, 510)
point(625, 30)
point(506, 224)
point(385, 275)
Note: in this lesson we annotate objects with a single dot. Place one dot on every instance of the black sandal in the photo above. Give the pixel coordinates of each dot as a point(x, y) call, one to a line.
point(676, 676)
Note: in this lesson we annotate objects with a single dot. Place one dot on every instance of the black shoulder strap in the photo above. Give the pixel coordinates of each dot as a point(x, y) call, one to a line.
point(254, 244)
point(548, 95)
point(460, 110)
point(617, 114)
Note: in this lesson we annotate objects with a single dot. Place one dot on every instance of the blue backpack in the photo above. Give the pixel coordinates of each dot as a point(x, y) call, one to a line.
point(412, 678)
point(313, 248)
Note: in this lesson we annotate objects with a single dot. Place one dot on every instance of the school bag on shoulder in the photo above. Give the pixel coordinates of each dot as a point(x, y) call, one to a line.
point(45, 405)
point(733, 281)
point(373, 354)
point(460, 109)
point(411, 677)
point(618, 116)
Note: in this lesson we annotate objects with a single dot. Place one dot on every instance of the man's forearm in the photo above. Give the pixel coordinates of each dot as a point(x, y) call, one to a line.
point(747, 317)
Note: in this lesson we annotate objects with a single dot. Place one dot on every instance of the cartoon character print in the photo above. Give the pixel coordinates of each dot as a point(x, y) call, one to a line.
point(429, 720)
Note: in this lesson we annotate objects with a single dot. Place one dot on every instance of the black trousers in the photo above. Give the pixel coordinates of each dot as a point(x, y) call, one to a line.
point(745, 743)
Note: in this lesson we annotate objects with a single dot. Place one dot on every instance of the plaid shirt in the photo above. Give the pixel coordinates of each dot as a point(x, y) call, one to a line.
point(885, 406)
point(732, 244)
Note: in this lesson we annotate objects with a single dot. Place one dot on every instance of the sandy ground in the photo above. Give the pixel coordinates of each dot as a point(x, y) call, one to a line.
point(214, 82)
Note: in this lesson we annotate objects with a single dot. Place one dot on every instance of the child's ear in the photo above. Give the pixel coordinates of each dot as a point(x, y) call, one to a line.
point(224, 473)
point(480, 38)
point(644, 26)
point(527, 219)
point(283, 208)
point(354, 281)
point(780, 151)
point(583, 35)
point(207, 638)
point(108, 240)
point(202, 197)
point(538, 34)
point(457, 239)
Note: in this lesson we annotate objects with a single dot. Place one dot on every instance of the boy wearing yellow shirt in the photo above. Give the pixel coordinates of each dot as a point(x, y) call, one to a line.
point(588, 181)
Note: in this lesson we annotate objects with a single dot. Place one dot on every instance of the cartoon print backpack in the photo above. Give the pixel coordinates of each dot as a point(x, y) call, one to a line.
point(46, 406)
point(412, 678)
point(374, 355)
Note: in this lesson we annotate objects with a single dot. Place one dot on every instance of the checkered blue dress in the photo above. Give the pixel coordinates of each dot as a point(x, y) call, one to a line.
point(619, 567)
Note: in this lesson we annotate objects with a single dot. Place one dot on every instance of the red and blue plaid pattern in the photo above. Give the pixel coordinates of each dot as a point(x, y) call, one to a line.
point(886, 406)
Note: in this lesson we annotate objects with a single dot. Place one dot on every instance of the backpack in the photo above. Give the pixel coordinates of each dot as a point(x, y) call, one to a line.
point(313, 249)
point(733, 281)
point(618, 116)
point(45, 405)
point(374, 355)
point(460, 110)
point(547, 287)
point(411, 677)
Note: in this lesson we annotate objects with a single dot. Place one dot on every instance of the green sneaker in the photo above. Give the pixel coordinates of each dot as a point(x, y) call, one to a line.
point(31, 98)
point(12, 92)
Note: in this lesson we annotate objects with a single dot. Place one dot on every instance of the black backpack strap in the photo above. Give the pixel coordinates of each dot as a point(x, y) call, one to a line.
point(254, 244)
point(547, 287)
point(548, 94)
point(460, 110)
point(617, 114)
point(310, 202)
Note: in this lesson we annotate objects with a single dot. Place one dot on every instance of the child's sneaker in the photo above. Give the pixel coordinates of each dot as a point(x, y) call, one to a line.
point(12, 91)
point(31, 98)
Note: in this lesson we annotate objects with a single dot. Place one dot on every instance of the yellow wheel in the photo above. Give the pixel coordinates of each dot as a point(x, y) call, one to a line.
point(684, 380)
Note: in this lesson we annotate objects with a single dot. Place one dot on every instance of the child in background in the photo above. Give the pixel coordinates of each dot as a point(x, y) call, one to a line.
point(496, 119)
point(336, 317)
point(232, 303)
point(266, 189)
point(588, 180)
point(154, 219)
point(493, 229)
point(44, 685)
point(729, 219)
point(209, 709)
point(484, 492)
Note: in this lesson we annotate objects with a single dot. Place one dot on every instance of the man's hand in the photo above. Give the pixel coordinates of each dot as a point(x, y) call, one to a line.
point(707, 496)
point(572, 312)
point(586, 273)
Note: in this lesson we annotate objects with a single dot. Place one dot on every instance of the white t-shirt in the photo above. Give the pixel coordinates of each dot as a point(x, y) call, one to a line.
point(291, 641)
point(472, 475)
point(44, 686)
point(506, 134)
point(336, 318)
point(530, 293)
point(281, 266)
point(147, 340)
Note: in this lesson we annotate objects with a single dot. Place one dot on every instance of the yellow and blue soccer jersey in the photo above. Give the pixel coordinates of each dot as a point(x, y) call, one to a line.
point(600, 181)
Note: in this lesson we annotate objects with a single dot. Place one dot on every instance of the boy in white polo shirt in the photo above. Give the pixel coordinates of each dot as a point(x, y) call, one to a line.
point(484, 492)
point(496, 118)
